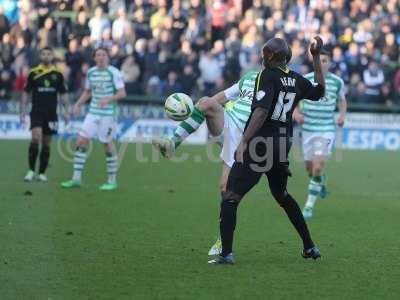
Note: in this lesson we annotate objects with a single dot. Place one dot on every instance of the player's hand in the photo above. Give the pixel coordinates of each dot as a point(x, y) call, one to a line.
point(76, 110)
point(104, 102)
point(340, 120)
point(316, 46)
point(240, 152)
point(299, 118)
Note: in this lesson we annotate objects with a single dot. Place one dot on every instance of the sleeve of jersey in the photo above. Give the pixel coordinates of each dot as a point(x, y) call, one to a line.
point(311, 91)
point(232, 93)
point(118, 80)
point(264, 93)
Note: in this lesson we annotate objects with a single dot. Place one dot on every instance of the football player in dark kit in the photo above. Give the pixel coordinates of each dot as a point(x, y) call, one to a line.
point(46, 84)
point(266, 142)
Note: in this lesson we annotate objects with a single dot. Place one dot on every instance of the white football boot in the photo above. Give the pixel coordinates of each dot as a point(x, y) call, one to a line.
point(216, 249)
point(30, 175)
point(42, 178)
point(165, 146)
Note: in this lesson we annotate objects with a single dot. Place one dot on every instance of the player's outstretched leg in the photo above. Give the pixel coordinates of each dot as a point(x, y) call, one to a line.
point(206, 109)
point(167, 146)
point(80, 157)
point(292, 209)
point(277, 183)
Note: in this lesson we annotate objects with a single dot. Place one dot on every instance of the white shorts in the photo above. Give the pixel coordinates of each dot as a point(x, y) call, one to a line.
point(101, 127)
point(231, 137)
point(317, 144)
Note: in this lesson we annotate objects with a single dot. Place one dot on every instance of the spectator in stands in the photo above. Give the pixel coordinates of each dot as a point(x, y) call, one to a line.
point(396, 87)
point(121, 27)
point(153, 87)
point(140, 55)
point(115, 7)
point(188, 80)
point(373, 79)
point(158, 18)
point(210, 72)
point(11, 10)
point(338, 64)
point(6, 50)
point(116, 57)
point(171, 84)
point(218, 12)
point(20, 80)
point(98, 24)
point(165, 65)
point(47, 35)
point(6, 84)
point(195, 32)
point(141, 27)
point(22, 28)
point(74, 60)
point(131, 73)
point(4, 24)
point(81, 27)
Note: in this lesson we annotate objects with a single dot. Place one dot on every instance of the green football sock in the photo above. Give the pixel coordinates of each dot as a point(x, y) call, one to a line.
point(188, 126)
point(314, 188)
point(79, 162)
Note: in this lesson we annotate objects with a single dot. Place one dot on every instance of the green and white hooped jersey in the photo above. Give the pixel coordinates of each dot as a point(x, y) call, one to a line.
point(102, 83)
point(241, 97)
point(319, 116)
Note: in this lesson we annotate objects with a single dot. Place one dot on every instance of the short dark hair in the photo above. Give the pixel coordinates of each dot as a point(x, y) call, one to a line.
point(46, 48)
point(326, 52)
point(100, 48)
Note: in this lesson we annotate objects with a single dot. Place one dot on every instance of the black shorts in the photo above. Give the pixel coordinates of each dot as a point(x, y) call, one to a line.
point(244, 176)
point(48, 123)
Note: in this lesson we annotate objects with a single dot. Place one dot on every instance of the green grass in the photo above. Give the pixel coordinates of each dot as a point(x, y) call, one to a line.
point(149, 239)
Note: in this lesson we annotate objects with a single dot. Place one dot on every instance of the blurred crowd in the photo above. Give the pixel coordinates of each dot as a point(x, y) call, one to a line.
point(201, 46)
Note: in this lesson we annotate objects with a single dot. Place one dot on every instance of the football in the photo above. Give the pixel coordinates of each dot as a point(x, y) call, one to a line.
point(178, 106)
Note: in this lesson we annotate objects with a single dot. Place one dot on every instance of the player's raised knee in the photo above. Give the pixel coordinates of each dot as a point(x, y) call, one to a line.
point(206, 104)
point(222, 187)
point(82, 142)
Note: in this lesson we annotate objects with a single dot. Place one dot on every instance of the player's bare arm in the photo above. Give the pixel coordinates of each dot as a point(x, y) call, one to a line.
point(220, 98)
point(342, 112)
point(120, 94)
point(318, 91)
point(65, 101)
point(257, 119)
point(82, 99)
point(298, 116)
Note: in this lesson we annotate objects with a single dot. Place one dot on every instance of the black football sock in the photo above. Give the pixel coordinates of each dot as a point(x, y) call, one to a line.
point(293, 211)
point(32, 155)
point(227, 224)
point(44, 158)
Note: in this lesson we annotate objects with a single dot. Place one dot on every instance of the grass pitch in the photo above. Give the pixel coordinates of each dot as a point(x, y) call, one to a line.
point(149, 240)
